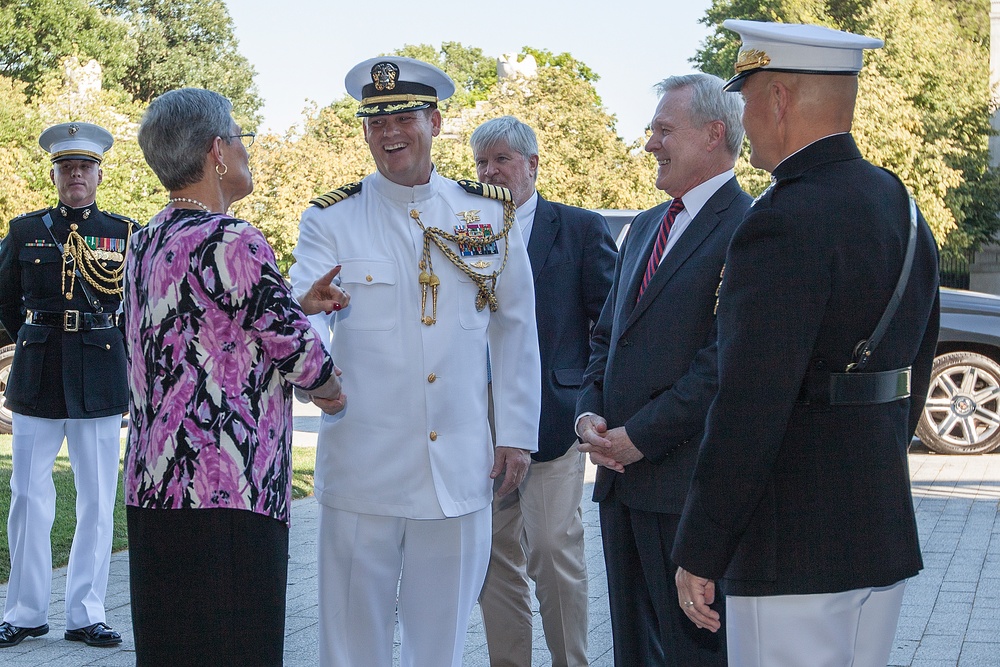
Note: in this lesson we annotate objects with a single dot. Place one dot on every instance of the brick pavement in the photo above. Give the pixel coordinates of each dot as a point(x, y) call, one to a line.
point(950, 618)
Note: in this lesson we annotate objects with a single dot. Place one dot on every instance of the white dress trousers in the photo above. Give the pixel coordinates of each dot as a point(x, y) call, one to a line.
point(373, 569)
point(854, 628)
point(94, 448)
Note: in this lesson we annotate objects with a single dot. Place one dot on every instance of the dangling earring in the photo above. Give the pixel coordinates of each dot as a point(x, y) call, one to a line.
point(223, 172)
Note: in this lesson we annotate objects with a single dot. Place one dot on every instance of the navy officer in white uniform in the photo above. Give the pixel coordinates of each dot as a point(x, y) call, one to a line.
point(60, 290)
point(438, 274)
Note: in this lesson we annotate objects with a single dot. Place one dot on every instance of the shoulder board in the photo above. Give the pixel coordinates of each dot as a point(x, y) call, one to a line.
point(338, 195)
point(484, 190)
point(30, 213)
point(123, 218)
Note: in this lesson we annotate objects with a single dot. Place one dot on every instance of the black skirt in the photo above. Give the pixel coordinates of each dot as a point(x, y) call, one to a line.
point(207, 587)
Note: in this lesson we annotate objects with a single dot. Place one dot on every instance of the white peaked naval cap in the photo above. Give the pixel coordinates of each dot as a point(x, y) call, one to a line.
point(394, 84)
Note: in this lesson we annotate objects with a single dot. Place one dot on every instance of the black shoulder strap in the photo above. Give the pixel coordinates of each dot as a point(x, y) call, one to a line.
point(863, 350)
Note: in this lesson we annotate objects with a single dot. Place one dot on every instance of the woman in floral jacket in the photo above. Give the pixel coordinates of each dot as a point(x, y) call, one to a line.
point(215, 343)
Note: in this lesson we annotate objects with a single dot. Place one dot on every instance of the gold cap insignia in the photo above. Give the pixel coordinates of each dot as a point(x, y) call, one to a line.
point(751, 59)
point(384, 75)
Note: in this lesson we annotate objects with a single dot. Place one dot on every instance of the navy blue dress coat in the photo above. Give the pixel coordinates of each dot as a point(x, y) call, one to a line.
point(57, 374)
point(792, 495)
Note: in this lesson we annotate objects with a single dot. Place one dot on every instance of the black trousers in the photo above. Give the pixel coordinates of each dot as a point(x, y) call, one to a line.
point(207, 587)
point(648, 627)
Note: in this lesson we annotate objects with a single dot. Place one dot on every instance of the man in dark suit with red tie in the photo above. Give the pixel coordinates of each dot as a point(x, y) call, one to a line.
point(652, 371)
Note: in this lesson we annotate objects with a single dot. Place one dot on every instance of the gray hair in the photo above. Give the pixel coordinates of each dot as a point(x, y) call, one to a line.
point(177, 131)
point(519, 136)
point(709, 102)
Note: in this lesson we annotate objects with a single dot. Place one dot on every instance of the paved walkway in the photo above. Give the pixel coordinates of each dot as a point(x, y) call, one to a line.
point(950, 618)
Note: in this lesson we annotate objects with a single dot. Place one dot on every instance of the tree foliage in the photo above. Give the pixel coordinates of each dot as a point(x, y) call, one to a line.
point(473, 72)
point(582, 160)
point(923, 106)
point(144, 47)
point(36, 35)
point(564, 61)
point(185, 43)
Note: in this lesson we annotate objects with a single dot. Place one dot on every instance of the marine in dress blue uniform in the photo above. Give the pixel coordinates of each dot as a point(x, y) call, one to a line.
point(60, 295)
point(800, 500)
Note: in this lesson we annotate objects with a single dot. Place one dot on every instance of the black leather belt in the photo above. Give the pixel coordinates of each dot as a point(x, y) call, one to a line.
point(70, 320)
point(869, 388)
point(822, 387)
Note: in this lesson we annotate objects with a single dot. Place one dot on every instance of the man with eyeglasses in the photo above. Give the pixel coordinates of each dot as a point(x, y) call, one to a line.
point(60, 295)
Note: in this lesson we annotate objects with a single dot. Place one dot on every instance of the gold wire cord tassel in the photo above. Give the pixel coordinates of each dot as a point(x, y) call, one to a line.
point(487, 284)
point(77, 253)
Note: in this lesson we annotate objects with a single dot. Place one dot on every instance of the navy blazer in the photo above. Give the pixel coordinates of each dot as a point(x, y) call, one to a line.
point(652, 368)
point(792, 495)
point(572, 258)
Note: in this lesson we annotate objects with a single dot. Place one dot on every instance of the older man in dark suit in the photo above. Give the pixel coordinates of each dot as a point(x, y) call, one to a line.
point(828, 320)
point(652, 373)
point(538, 529)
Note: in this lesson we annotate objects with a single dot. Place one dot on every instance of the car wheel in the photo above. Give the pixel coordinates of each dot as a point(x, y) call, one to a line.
point(962, 413)
point(6, 358)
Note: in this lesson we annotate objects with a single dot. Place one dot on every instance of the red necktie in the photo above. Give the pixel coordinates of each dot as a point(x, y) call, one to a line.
point(661, 243)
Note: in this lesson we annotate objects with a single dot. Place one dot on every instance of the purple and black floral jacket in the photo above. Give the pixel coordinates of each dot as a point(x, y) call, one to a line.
point(214, 341)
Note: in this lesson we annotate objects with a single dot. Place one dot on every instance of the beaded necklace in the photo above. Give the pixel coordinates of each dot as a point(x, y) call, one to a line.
point(190, 201)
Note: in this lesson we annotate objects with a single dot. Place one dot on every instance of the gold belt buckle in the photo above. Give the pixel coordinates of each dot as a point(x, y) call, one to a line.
point(71, 320)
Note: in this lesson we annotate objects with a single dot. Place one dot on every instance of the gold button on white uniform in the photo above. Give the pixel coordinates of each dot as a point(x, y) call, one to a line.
point(369, 278)
point(432, 377)
point(434, 435)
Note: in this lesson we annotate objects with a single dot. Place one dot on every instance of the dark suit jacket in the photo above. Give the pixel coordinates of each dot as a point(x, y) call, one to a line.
point(652, 369)
point(796, 497)
point(572, 259)
point(55, 374)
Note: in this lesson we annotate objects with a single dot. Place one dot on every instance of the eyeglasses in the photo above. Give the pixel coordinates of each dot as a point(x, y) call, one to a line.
point(247, 138)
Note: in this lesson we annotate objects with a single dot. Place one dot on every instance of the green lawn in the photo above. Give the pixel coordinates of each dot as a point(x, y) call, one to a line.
point(303, 461)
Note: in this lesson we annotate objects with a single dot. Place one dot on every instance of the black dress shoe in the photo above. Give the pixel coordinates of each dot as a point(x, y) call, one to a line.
point(11, 635)
point(98, 634)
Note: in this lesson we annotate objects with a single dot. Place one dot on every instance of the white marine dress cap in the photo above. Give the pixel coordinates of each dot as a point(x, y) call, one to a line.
point(76, 141)
point(797, 48)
